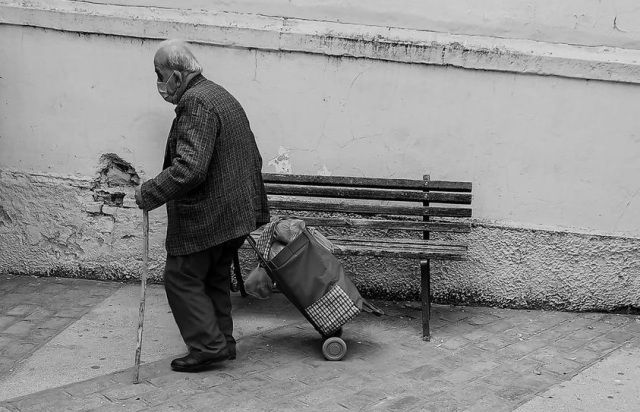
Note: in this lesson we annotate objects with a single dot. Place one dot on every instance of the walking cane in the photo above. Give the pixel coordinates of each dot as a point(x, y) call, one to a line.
point(143, 281)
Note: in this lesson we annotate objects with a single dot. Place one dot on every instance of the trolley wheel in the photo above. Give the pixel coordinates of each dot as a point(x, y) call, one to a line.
point(334, 349)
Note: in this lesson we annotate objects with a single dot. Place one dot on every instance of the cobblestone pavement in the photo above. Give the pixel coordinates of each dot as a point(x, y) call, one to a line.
point(34, 310)
point(480, 359)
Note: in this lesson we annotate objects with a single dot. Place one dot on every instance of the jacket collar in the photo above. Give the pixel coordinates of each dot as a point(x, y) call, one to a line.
point(199, 78)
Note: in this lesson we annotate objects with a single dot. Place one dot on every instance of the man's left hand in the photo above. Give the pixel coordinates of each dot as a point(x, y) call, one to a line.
point(139, 197)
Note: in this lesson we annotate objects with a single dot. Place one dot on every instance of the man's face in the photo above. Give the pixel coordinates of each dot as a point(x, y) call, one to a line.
point(168, 83)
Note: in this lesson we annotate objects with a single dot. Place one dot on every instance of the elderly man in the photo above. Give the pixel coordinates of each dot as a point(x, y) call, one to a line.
point(212, 185)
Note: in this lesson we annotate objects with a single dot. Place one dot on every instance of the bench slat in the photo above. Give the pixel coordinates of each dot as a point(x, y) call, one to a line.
point(395, 242)
point(388, 224)
point(445, 186)
point(299, 205)
point(436, 252)
point(369, 182)
point(366, 193)
point(373, 248)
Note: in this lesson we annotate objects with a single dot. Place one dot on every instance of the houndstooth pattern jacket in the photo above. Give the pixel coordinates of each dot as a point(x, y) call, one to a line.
point(211, 179)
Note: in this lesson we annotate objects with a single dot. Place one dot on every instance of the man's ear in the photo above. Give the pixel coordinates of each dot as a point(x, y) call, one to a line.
point(178, 76)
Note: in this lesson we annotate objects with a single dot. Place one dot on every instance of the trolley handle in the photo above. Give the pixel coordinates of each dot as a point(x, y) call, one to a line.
point(261, 258)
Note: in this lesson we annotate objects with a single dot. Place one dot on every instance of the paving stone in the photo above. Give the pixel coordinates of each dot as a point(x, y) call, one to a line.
point(318, 395)
point(492, 344)
point(6, 366)
point(527, 346)
point(478, 334)
point(602, 345)
point(128, 392)
point(360, 400)
point(55, 323)
point(85, 388)
point(87, 403)
point(399, 403)
point(562, 366)
point(512, 393)
point(132, 405)
point(481, 319)
point(39, 314)
point(210, 380)
point(424, 373)
point(21, 310)
point(490, 402)
point(500, 325)
point(460, 376)
point(502, 376)
point(275, 390)
point(551, 335)
point(614, 319)
point(158, 397)
point(569, 343)
point(5, 341)
point(18, 349)
point(75, 312)
point(452, 315)
point(454, 343)
point(583, 356)
point(619, 336)
point(6, 321)
point(19, 329)
point(573, 324)
point(442, 402)
point(50, 400)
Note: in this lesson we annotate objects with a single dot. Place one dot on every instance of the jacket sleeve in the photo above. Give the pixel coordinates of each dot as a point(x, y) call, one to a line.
point(196, 131)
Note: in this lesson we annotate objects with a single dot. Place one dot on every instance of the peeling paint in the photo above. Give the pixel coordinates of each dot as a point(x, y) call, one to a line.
point(54, 232)
point(114, 171)
point(324, 171)
point(282, 163)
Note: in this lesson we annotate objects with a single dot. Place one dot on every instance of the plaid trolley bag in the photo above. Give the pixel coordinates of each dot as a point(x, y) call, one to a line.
point(313, 280)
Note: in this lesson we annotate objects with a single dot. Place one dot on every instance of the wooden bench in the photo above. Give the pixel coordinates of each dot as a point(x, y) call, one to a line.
point(358, 214)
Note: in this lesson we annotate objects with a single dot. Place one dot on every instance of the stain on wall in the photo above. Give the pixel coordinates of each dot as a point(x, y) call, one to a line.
point(282, 162)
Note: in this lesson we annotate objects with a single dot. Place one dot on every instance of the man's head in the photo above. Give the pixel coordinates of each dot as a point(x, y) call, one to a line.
point(175, 66)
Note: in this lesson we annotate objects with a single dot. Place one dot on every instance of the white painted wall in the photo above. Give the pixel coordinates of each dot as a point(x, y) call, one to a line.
point(588, 22)
point(540, 150)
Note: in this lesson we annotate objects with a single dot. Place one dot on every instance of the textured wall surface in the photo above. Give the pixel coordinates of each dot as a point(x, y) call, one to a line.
point(54, 226)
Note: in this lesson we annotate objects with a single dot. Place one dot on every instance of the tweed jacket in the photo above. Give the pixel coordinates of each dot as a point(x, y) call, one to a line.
point(211, 180)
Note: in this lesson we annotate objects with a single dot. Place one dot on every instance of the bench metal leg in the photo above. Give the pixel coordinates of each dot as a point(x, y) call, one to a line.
point(425, 275)
point(425, 291)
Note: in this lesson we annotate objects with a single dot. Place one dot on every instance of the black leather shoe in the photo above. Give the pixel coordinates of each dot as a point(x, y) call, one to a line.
point(198, 361)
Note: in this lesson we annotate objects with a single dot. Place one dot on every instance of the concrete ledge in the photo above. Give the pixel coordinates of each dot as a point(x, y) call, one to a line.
point(54, 226)
point(329, 38)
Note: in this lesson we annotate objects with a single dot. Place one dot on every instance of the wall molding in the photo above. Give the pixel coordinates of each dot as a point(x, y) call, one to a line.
point(279, 34)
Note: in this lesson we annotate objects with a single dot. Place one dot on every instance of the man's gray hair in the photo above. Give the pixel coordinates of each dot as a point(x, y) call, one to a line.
point(179, 57)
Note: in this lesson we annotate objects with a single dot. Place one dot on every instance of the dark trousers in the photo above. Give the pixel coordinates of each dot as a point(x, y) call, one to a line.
point(197, 287)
